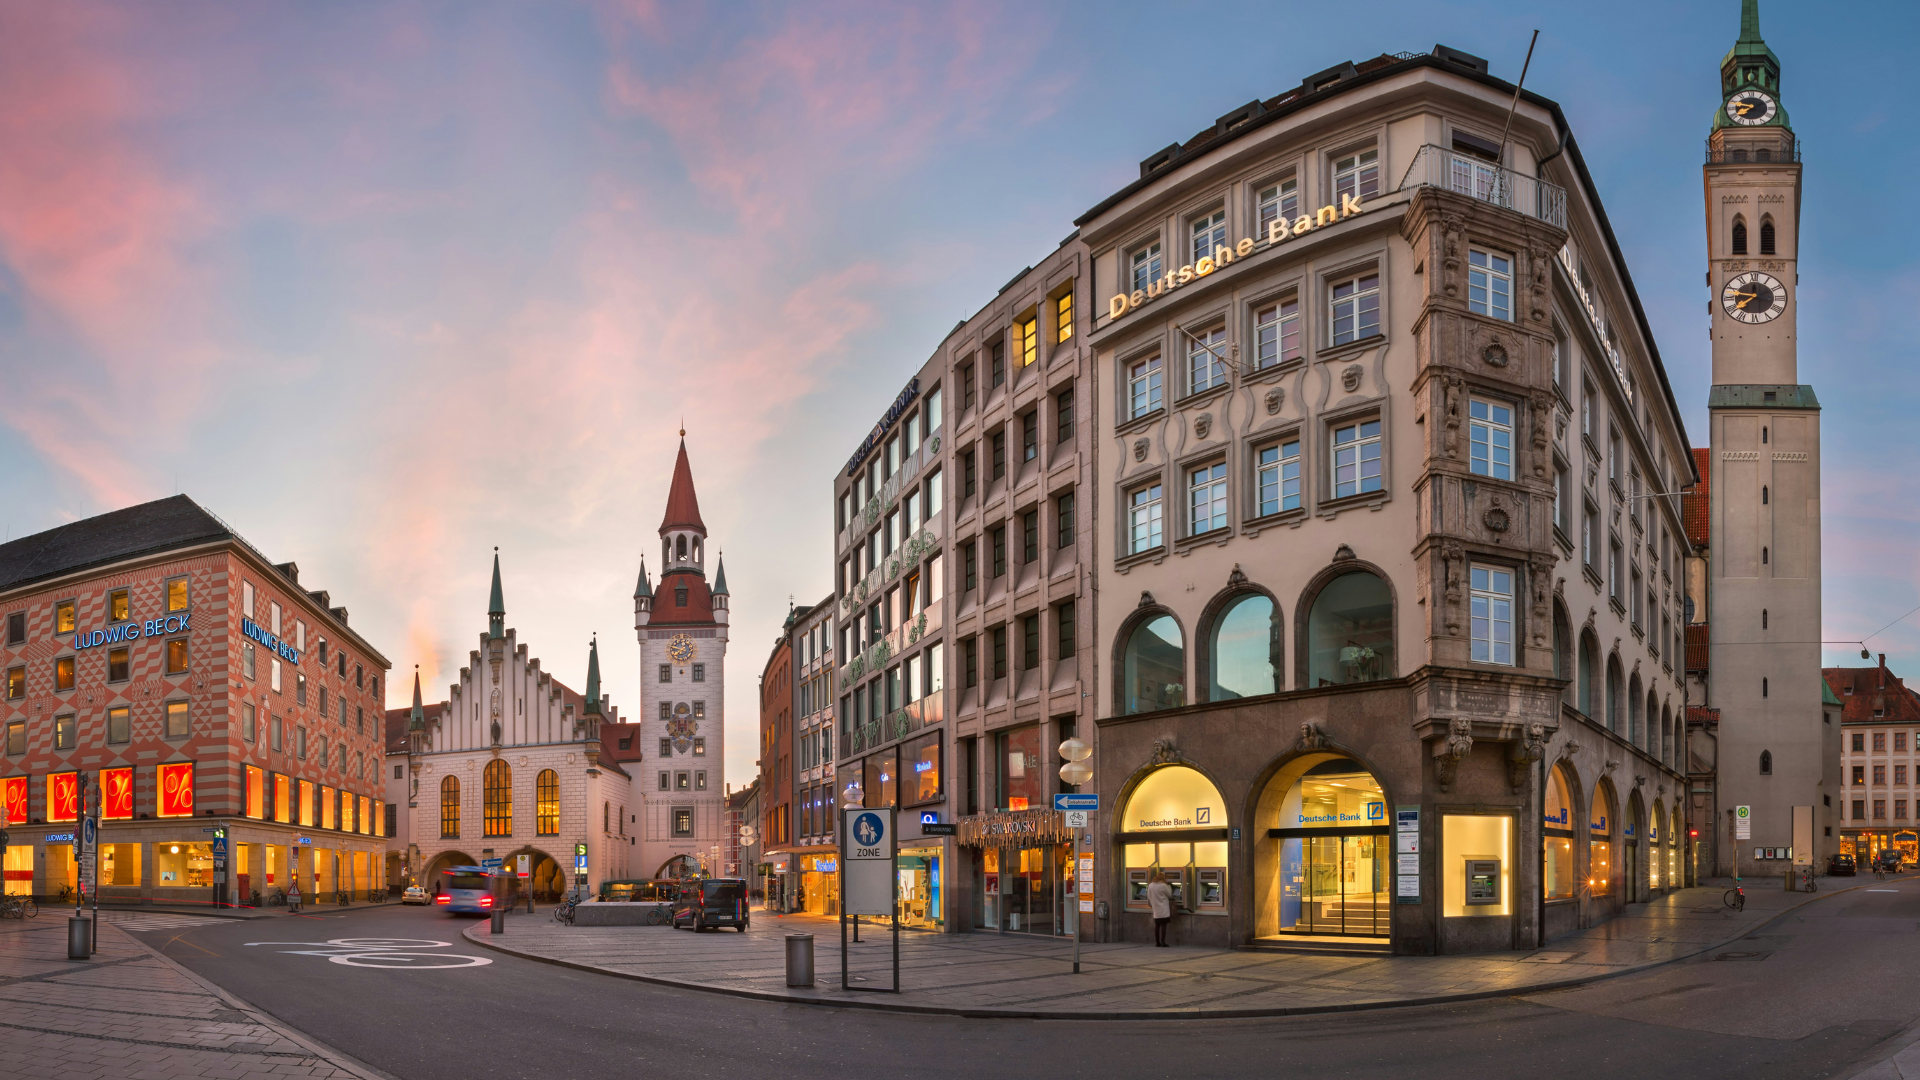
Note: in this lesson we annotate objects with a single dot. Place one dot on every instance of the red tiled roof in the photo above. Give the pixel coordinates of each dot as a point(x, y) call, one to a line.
point(1695, 506)
point(1865, 690)
point(1701, 714)
point(1697, 640)
point(683, 507)
point(610, 748)
point(396, 724)
point(666, 607)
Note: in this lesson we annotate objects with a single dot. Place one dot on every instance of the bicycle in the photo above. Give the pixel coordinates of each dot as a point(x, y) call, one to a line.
point(1806, 880)
point(343, 898)
point(276, 898)
point(1736, 897)
point(563, 912)
point(14, 907)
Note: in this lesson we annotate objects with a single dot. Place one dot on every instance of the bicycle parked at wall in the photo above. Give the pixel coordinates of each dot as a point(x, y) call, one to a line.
point(276, 898)
point(563, 913)
point(1736, 897)
point(1807, 883)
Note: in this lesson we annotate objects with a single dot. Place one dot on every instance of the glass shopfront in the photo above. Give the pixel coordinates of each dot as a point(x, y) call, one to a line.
point(182, 865)
point(19, 870)
point(819, 884)
point(1600, 844)
point(1026, 890)
point(1335, 862)
point(919, 873)
point(1557, 880)
point(1175, 824)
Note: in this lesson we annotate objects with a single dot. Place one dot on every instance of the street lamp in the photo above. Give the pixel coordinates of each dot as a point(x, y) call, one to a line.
point(853, 796)
point(1077, 771)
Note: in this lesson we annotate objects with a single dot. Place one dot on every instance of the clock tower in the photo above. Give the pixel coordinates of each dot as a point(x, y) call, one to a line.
point(1763, 603)
point(681, 624)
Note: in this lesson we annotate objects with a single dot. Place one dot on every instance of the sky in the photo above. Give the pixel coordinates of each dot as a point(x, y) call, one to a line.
point(386, 285)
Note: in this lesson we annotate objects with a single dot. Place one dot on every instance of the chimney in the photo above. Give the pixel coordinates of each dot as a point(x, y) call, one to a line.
point(1883, 671)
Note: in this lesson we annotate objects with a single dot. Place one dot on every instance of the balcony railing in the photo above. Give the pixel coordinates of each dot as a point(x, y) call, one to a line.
point(1439, 167)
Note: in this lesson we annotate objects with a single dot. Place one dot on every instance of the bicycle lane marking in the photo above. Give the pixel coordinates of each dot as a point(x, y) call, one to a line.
point(390, 954)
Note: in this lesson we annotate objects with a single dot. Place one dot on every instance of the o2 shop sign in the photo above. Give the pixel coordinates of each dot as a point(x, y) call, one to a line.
point(133, 631)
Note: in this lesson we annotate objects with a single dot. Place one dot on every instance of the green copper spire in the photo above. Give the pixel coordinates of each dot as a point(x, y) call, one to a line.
point(496, 605)
point(720, 578)
point(593, 676)
point(643, 587)
point(417, 719)
point(1750, 67)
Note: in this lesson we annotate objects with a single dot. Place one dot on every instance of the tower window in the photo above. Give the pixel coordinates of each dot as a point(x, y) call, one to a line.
point(1739, 238)
point(1763, 494)
point(1763, 686)
point(1766, 238)
point(1766, 763)
point(1763, 618)
point(1763, 556)
point(680, 596)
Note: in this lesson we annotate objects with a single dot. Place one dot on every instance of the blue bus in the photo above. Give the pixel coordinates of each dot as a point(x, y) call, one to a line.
point(467, 889)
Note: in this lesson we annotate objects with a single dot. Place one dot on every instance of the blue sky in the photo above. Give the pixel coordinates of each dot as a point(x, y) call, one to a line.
point(387, 284)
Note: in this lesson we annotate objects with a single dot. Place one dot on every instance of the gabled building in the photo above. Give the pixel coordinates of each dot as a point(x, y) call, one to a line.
point(1879, 738)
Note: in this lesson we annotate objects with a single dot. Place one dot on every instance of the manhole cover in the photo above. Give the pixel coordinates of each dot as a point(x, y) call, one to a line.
point(1743, 956)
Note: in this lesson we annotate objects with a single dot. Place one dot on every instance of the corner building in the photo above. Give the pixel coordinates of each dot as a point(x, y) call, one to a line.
point(1387, 601)
point(155, 654)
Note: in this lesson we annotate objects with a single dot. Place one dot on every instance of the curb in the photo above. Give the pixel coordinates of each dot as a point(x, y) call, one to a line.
point(339, 1059)
point(1158, 1014)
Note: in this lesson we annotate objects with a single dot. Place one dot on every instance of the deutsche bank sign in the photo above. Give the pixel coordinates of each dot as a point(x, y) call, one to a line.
point(871, 846)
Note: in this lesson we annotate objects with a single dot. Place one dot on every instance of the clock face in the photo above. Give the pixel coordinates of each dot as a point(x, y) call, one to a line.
point(680, 648)
point(1751, 107)
point(1754, 297)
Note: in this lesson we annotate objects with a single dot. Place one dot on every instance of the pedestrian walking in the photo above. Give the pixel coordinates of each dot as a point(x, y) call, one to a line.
point(1160, 899)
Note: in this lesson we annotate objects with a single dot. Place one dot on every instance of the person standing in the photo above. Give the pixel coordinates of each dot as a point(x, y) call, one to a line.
point(1160, 899)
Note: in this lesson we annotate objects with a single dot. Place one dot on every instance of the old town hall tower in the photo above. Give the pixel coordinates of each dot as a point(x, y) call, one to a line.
point(682, 626)
point(1764, 554)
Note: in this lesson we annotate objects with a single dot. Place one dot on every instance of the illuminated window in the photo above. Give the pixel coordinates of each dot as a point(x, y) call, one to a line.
point(450, 808)
point(177, 598)
point(1063, 316)
point(498, 791)
point(1027, 337)
point(547, 803)
point(118, 606)
point(63, 619)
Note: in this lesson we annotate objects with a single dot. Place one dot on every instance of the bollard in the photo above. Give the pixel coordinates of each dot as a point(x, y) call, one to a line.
point(499, 920)
point(799, 959)
point(79, 937)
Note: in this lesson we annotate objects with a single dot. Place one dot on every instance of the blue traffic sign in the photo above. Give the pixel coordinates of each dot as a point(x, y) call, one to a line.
point(492, 864)
point(1068, 801)
point(869, 830)
point(220, 845)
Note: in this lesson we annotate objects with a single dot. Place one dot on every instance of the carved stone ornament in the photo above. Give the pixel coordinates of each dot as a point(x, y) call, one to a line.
point(1276, 397)
point(1448, 755)
point(1311, 737)
point(1495, 519)
point(1639, 781)
point(1451, 387)
point(1528, 750)
point(1202, 424)
point(1343, 553)
point(1350, 378)
point(1163, 753)
point(1139, 449)
point(1495, 355)
point(1453, 558)
point(1236, 577)
point(1146, 598)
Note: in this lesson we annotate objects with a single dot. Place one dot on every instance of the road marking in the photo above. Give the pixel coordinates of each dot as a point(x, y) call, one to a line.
point(1883, 890)
point(140, 923)
point(391, 954)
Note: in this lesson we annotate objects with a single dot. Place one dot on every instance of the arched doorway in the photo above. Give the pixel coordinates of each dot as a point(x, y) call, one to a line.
point(681, 866)
point(433, 878)
point(1656, 849)
point(1322, 863)
point(1601, 819)
point(1630, 850)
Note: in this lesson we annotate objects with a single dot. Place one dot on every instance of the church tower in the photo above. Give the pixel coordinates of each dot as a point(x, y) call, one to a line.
point(1764, 552)
point(681, 625)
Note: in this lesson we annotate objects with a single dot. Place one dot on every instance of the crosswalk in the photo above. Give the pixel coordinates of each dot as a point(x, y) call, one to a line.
point(144, 921)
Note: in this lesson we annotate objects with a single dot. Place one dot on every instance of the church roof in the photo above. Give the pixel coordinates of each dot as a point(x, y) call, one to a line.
point(398, 719)
point(683, 507)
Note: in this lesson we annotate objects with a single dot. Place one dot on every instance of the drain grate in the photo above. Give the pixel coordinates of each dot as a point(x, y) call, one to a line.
point(1743, 956)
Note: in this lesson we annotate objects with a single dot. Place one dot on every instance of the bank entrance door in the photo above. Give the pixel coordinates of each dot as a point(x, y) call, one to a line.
point(1334, 882)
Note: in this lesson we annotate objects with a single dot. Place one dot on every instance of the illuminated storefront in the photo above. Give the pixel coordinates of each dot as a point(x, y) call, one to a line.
point(1023, 866)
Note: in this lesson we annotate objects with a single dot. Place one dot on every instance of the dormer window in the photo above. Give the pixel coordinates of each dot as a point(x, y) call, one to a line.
point(680, 596)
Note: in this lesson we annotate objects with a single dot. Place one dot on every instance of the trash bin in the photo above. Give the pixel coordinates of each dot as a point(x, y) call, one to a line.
point(799, 959)
point(79, 937)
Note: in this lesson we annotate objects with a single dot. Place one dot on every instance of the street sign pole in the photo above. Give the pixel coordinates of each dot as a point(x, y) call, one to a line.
point(1078, 808)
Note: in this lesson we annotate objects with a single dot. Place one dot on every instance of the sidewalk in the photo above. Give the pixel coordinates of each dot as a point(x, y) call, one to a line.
point(993, 975)
point(128, 1012)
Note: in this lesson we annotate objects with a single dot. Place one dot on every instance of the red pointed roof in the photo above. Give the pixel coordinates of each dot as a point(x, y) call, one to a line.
point(683, 507)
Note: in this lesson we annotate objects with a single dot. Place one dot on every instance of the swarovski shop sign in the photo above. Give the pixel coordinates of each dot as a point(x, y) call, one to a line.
point(867, 887)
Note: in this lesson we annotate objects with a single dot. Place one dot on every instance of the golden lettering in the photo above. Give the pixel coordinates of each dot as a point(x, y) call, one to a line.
point(1244, 248)
point(1117, 306)
point(1137, 298)
point(1203, 267)
point(1349, 205)
point(1277, 230)
point(1222, 255)
point(1186, 274)
point(1326, 215)
point(1157, 288)
point(1302, 224)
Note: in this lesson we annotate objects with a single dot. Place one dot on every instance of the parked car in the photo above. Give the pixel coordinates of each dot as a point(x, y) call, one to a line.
point(1887, 862)
point(1840, 866)
point(712, 903)
point(414, 894)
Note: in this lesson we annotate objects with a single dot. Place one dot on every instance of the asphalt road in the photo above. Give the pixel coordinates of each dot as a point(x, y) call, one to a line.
point(1814, 996)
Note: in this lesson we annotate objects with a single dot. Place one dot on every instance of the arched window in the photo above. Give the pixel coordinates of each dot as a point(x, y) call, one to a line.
point(450, 808)
point(1563, 653)
point(1766, 763)
point(1244, 653)
point(1600, 842)
point(1613, 694)
point(1636, 734)
point(1766, 236)
point(498, 792)
point(680, 547)
point(1154, 668)
point(1653, 733)
point(1587, 698)
point(1739, 237)
point(546, 803)
point(1350, 632)
point(1557, 880)
point(1667, 741)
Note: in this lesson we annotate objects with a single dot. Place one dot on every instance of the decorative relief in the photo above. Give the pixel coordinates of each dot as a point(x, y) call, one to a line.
point(1452, 555)
point(1740, 455)
point(1343, 553)
point(1311, 737)
point(1276, 397)
point(1452, 386)
point(1202, 424)
point(1146, 598)
point(1540, 266)
point(1164, 753)
point(1543, 411)
point(1494, 354)
point(1541, 566)
point(1448, 755)
point(1495, 519)
point(1452, 234)
point(1140, 449)
point(1788, 455)
point(1529, 749)
point(1350, 378)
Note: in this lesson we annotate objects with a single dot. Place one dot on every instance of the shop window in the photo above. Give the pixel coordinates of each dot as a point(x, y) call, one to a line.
point(63, 797)
point(283, 798)
point(120, 864)
point(1175, 797)
point(1022, 772)
point(1476, 864)
point(1243, 654)
point(1154, 667)
point(450, 808)
point(116, 793)
point(1600, 843)
point(880, 776)
point(1350, 631)
point(923, 756)
point(254, 793)
point(174, 782)
point(182, 865)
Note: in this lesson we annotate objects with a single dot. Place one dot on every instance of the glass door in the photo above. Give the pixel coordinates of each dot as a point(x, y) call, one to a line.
point(1334, 884)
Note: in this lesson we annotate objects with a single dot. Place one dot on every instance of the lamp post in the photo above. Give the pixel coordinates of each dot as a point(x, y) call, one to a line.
point(1077, 771)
